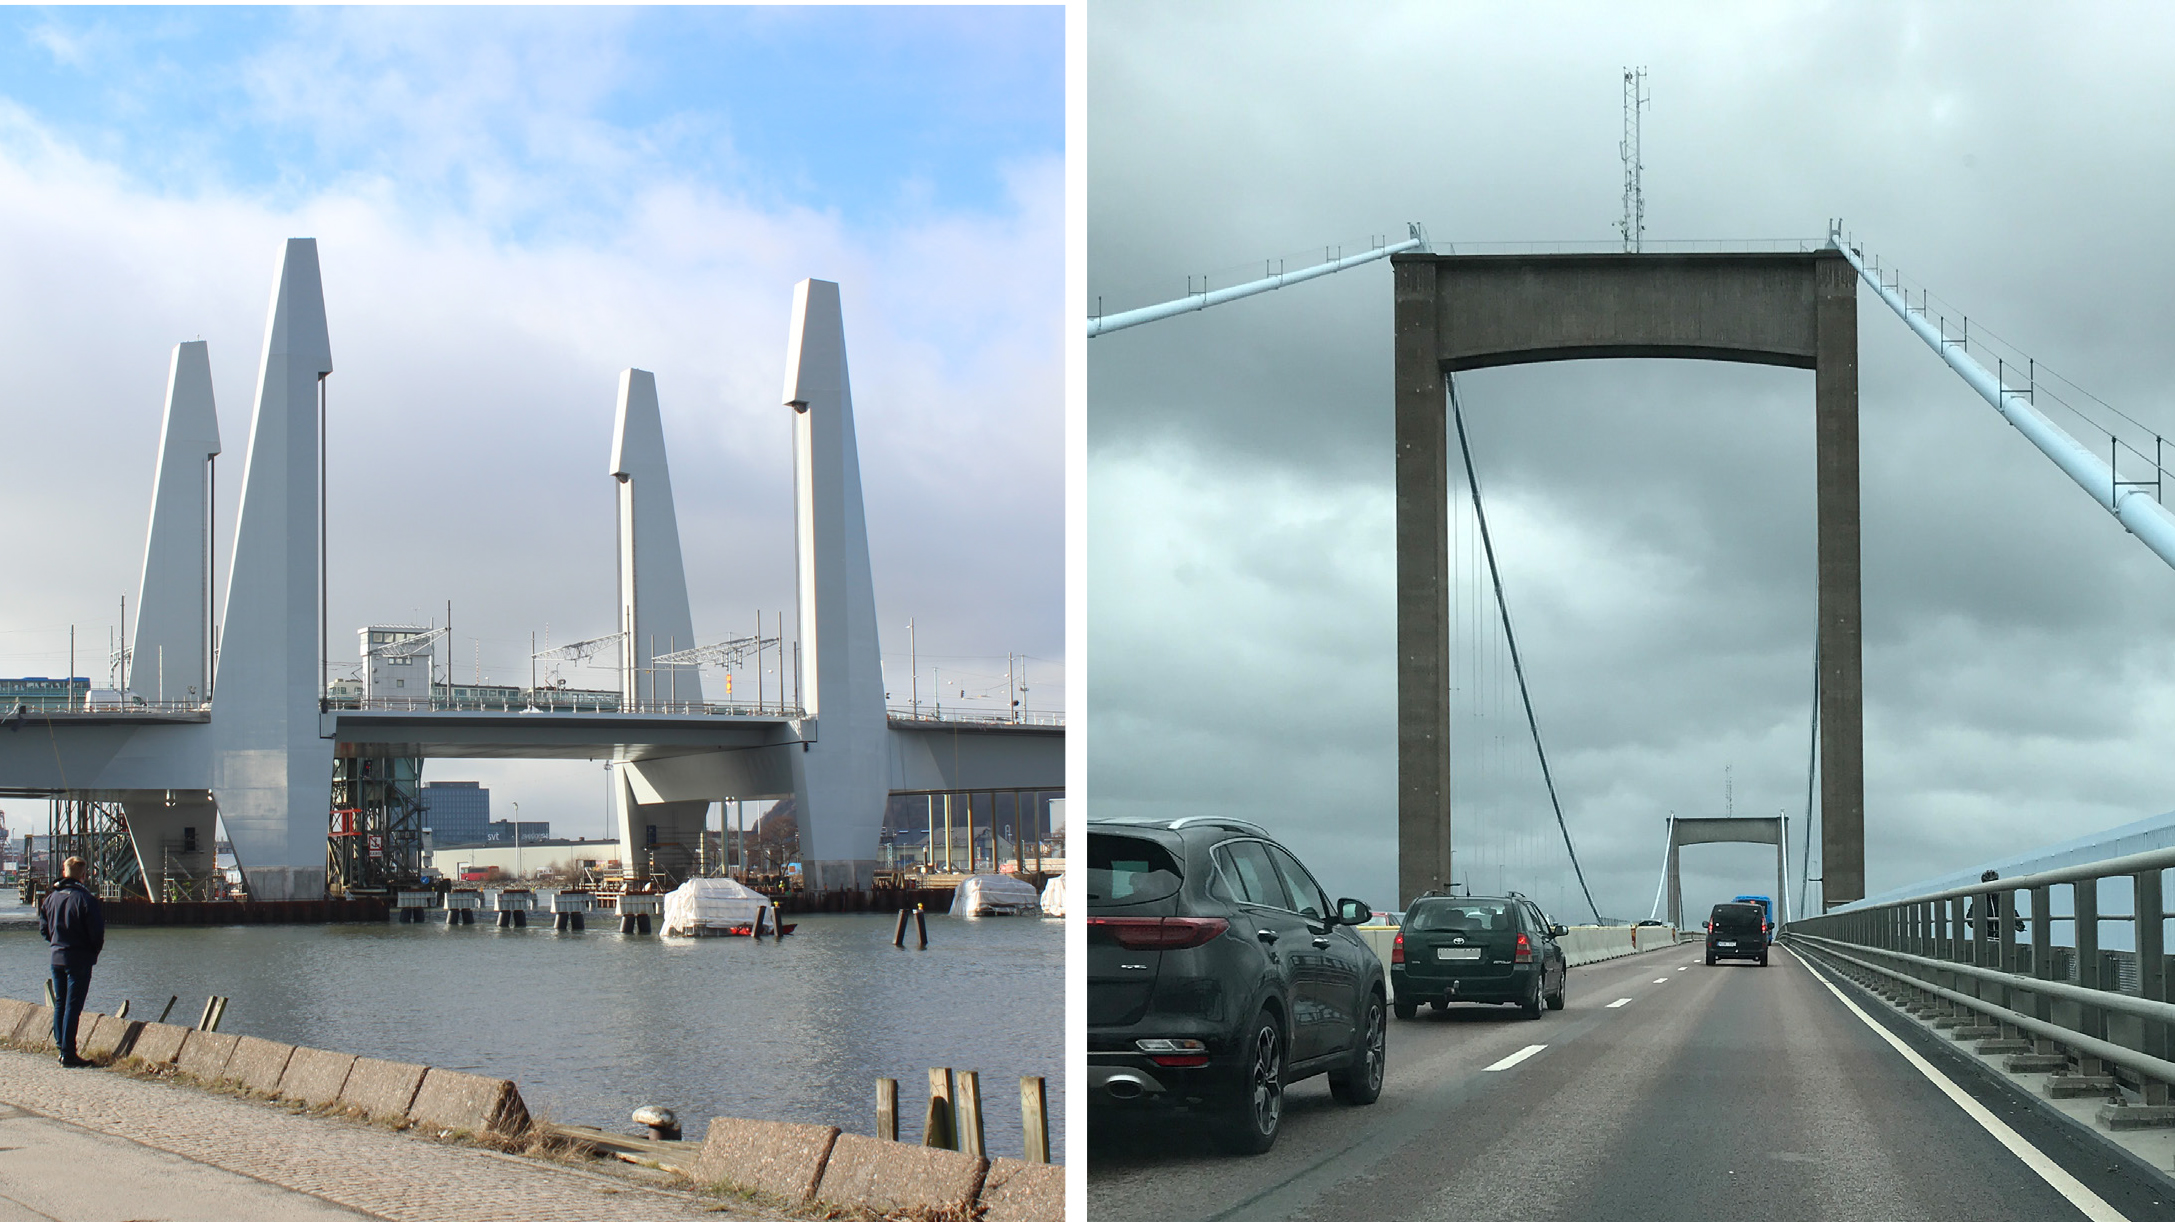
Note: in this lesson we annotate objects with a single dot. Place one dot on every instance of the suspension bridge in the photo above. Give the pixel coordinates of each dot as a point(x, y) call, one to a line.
point(1831, 1087)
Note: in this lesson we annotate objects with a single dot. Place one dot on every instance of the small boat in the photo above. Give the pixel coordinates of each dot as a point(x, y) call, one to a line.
point(1053, 897)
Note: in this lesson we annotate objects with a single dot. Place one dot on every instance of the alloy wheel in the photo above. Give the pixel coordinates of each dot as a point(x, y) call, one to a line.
point(1268, 1079)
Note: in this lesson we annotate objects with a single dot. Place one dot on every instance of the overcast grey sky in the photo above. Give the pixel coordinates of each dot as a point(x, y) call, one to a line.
point(1654, 519)
point(511, 206)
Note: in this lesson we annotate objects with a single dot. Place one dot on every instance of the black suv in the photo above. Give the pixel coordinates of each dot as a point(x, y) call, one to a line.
point(1478, 948)
point(1219, 974)
point(1737, 931)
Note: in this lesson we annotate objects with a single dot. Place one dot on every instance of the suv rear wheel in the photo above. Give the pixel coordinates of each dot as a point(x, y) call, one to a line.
point(1361, 1082)
point(1253, 1123)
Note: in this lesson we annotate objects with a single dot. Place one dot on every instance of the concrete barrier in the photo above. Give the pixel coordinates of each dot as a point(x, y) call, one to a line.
point(159, 1043)
point(865, 1173)
point(109, 1040)
point(786, 1161)
point(258, 1064)
point(464, 1101)
point(11, 1015)
point(204, 1055)
point(314, 1077)
point(382, 1089)
point(1015, 1191)
point(35, 1029)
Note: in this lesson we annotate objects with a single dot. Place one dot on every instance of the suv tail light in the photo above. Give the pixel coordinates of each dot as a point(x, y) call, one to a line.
point(1397, 949)
point(1175, 1054)
point(1160, 933)
point(1525, 951)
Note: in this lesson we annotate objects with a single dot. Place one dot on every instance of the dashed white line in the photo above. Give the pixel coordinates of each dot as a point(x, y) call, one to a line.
point(1621, 1001)
point(1663, 980)
point(1514, 1058)
point(1684, 969)
point(2088, 1203)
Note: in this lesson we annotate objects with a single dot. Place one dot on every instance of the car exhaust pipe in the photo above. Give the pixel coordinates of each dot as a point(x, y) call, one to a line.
point(1128, 1084)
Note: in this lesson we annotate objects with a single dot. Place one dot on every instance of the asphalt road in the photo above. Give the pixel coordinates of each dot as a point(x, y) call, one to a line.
point(1728, 1092)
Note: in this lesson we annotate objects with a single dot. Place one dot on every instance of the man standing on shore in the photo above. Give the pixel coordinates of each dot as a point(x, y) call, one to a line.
point(71, 919)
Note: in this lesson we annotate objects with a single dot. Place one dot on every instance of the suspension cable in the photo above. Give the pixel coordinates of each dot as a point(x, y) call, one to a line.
point(1487, 544)
point(1812, 767)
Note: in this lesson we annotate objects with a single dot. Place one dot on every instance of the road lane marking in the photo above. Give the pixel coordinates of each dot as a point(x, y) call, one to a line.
point(2088, 1202)
point(1621, 1001)
point(1663, 980)
point(1684, 969)
point(1514, 1058)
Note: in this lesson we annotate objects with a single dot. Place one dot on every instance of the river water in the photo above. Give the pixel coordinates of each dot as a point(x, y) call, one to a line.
point(593, 1025)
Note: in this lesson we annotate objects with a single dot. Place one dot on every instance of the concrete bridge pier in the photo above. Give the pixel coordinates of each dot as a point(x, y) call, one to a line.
point(1459, 312)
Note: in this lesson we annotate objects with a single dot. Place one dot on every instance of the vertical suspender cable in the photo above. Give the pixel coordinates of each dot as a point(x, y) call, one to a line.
point(1510, 639)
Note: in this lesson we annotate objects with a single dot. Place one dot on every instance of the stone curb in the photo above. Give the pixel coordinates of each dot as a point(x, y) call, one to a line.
point(313, 1077)
point(448, 1099)
point(258, 1064)
point(865, 1173)
point(382, 1090)
point(766, 1156)
point(1016, 1191)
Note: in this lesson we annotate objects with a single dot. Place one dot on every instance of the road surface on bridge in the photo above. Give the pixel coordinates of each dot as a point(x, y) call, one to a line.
point(1724, 1092)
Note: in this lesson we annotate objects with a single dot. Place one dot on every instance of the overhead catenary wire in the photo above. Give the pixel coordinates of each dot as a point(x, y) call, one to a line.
point(1510, 640)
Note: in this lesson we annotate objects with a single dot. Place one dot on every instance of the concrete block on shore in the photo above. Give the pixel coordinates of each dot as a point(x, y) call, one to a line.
point(109, 1040)
point(888, 1175)
point(204, 1055)
point(451, 1100)
point(1016, 1191)
point(258, 1064)
point(382, 1089)
point(159, 1043)
point(35, 1030)
point(767, 1156)
point(314, 1077)
point(11, 1015)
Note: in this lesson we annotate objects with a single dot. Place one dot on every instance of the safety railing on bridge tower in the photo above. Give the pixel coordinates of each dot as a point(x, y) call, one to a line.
point(2021, 963)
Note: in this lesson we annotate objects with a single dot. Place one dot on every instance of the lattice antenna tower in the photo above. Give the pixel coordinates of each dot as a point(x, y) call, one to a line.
point(1636, 100)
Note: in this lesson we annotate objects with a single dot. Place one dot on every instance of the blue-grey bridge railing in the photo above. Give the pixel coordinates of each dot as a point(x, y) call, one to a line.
point(2038, 978)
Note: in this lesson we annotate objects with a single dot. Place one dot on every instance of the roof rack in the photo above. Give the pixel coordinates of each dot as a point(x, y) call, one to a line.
point(1219, 821)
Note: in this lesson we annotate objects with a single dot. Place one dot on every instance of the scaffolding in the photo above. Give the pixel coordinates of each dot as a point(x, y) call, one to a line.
point(98, 833)
point(376, 837)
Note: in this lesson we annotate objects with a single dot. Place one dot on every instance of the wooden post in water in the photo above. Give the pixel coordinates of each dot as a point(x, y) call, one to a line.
point(50, 1003)
point(898, 934)
point(169, 1007)
point(121, 1011)
point(1035, 1118)
point(940, 1128)
point(210, 1003)
point(921, 926)
point(887, 1109)
point(970, 1114)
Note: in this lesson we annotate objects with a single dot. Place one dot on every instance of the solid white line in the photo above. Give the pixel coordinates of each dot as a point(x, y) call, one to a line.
point(1621, 1001)
point(1514, 1057)
point(2087, 1202)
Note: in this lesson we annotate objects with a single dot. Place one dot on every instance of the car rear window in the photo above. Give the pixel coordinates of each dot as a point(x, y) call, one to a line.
point(1129, 870)
point(1738, 916)
point(1450, 916)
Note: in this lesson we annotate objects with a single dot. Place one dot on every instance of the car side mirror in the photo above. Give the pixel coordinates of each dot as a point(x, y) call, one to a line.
point(1558, 931)
point(1706, 924)
point(1352, 912)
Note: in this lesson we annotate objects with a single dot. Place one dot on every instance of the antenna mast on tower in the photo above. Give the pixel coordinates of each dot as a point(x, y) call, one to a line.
point(1636, 100)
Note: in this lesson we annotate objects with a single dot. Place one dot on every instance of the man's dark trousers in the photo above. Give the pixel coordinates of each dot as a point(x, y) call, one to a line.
point(70, 986)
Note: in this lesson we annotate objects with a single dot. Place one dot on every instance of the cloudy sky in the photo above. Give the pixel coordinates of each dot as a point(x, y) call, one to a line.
point(1654, 519)
point(511, 206)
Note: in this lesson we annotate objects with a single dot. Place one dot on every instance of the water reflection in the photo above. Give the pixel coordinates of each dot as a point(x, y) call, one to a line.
point(593, 1025)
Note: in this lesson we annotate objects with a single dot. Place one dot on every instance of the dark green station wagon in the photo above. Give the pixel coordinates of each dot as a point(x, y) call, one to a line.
point(1477, 948)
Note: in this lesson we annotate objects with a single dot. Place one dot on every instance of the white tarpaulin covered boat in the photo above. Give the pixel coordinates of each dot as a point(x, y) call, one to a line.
point(1053, 897)
point(981, 895)
point(710, 906)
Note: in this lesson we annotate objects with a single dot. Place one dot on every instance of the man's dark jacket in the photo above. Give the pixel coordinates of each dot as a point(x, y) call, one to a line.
point(71, 919)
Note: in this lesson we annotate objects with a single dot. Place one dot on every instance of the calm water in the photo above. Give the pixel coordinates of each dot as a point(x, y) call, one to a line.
point(593, 1025)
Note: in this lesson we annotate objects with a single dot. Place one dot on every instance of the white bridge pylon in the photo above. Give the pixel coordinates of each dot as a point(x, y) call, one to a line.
point(254, 742)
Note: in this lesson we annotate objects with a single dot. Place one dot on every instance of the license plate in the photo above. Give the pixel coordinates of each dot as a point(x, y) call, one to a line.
point(1457, 952)
point(1731, 945)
